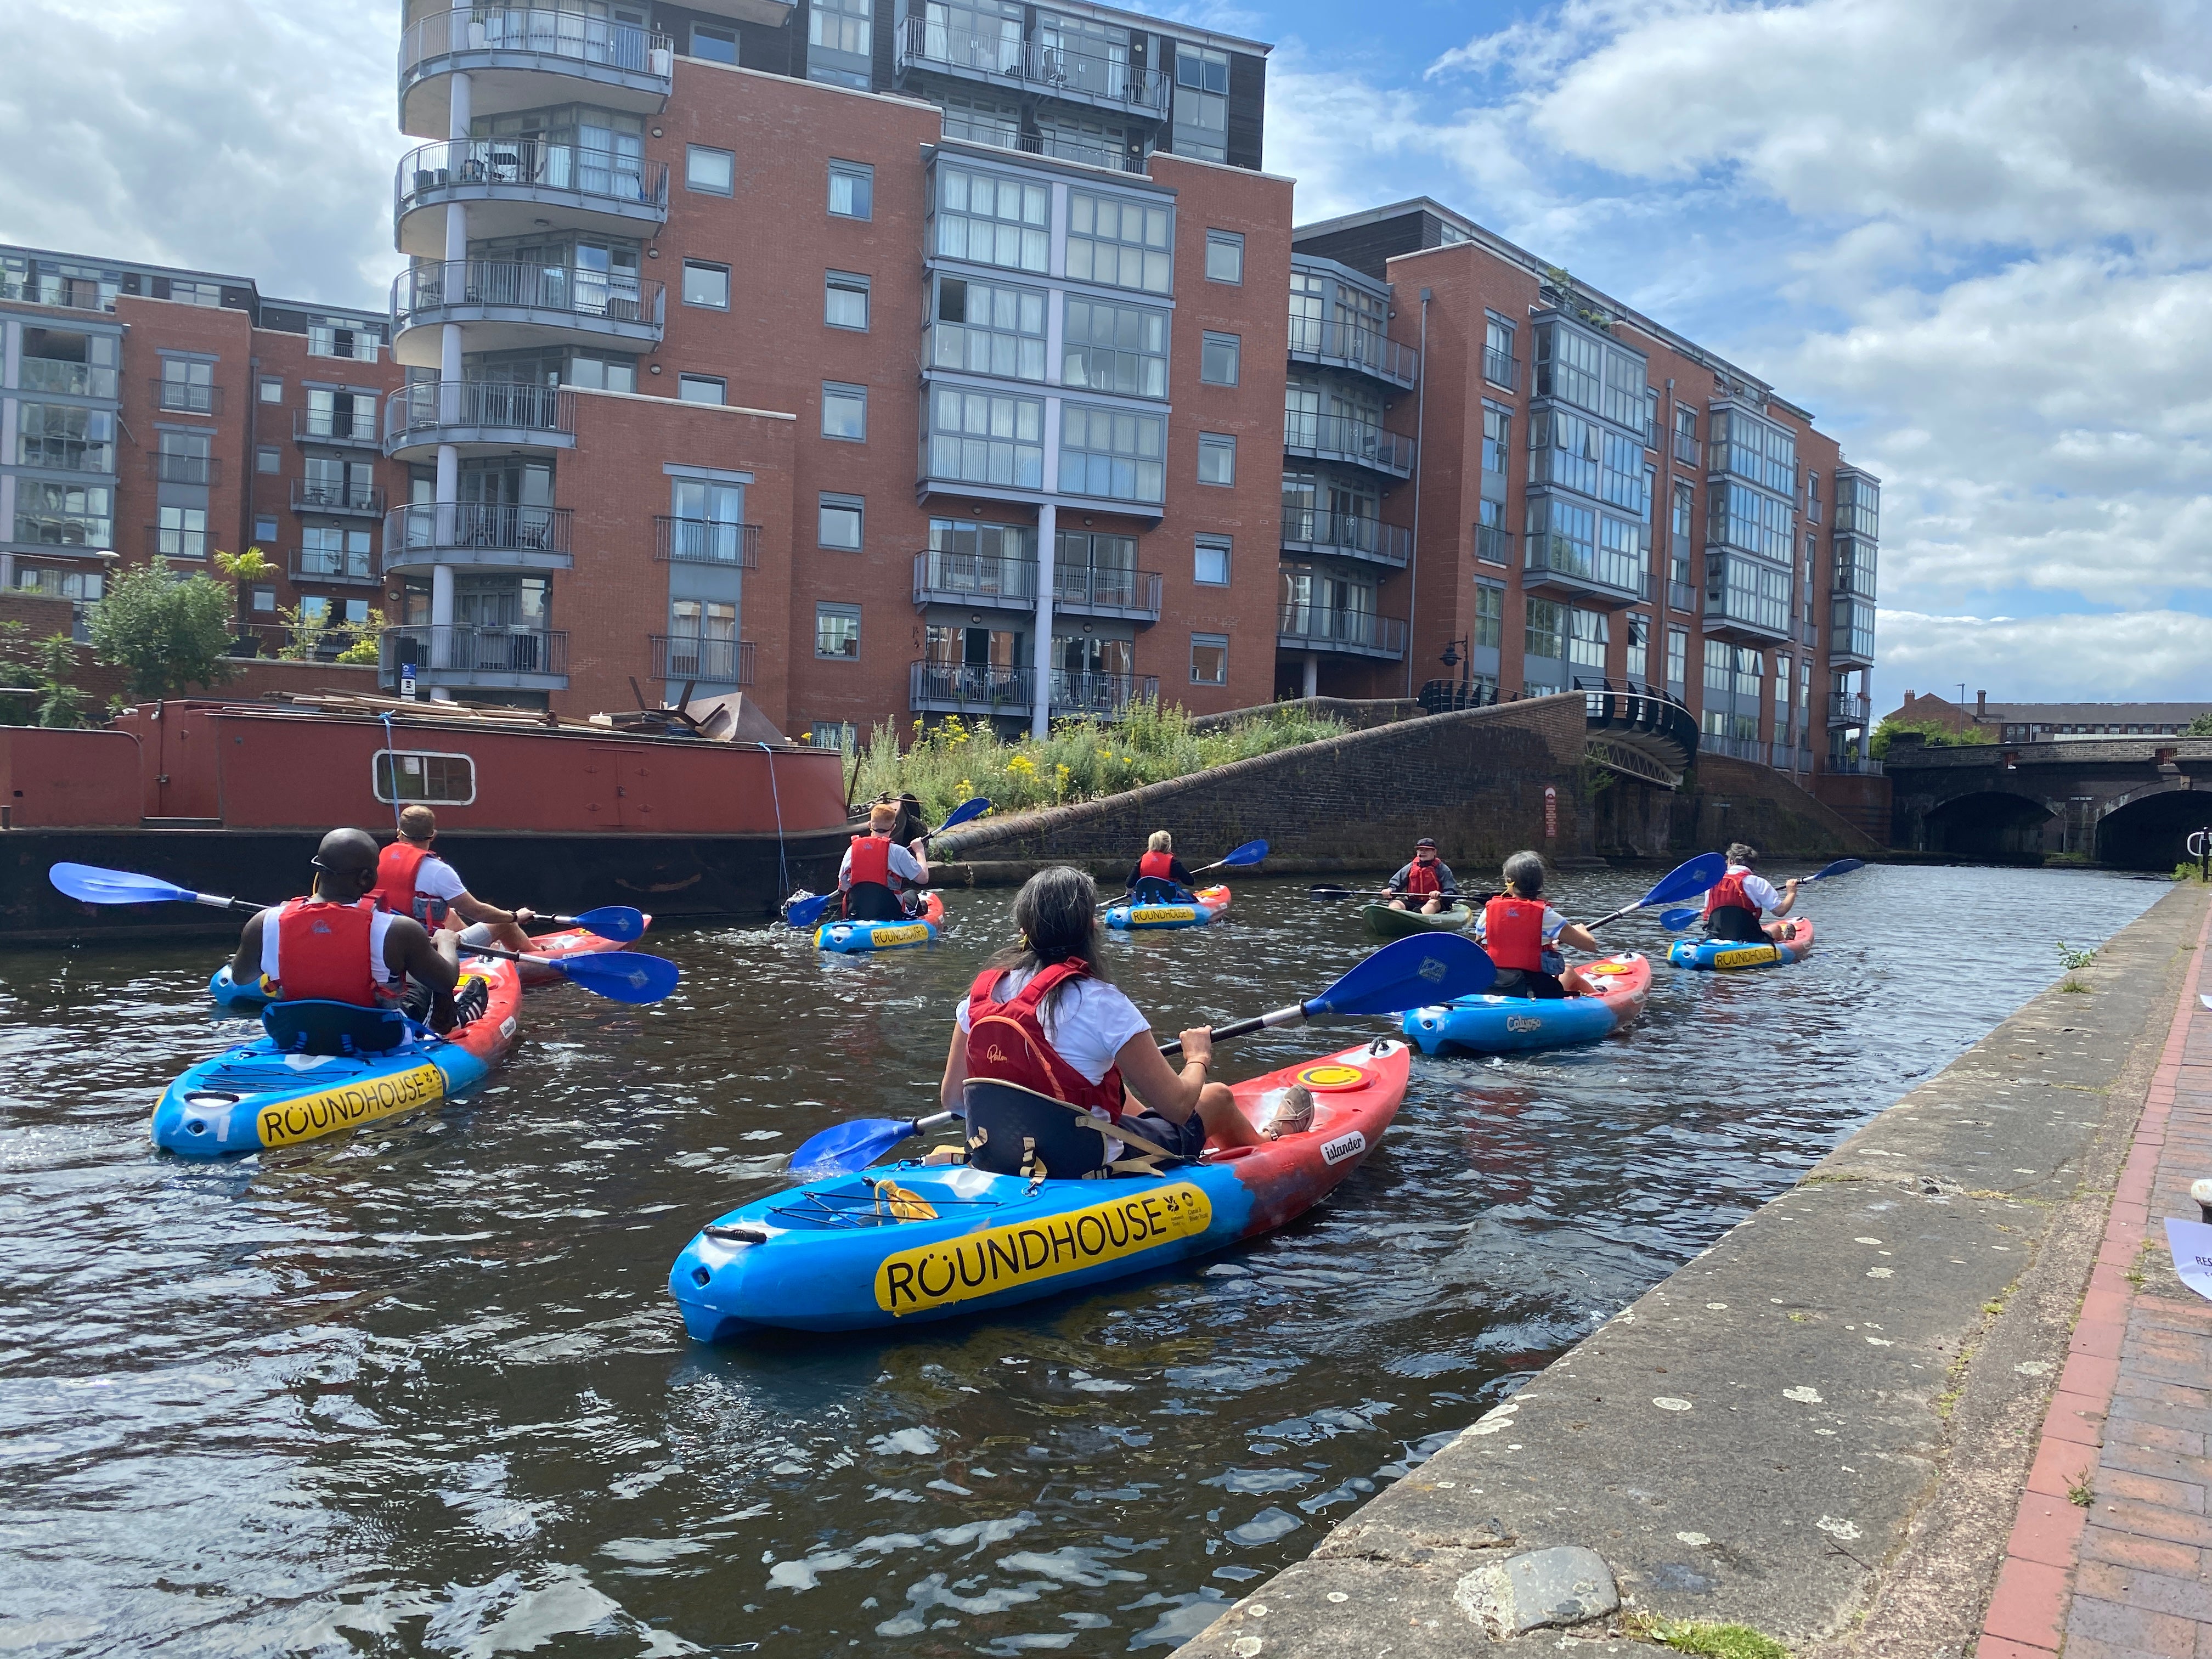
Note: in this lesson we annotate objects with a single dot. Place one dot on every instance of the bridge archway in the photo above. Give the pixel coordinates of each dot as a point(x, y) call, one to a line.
point(1989, 824)
point(2151, 831)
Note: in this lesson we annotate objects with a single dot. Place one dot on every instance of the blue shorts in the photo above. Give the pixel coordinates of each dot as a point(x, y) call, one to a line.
point(1185, 1139)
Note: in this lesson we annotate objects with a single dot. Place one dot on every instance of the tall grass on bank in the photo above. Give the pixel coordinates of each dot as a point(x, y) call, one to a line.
point(944, 764)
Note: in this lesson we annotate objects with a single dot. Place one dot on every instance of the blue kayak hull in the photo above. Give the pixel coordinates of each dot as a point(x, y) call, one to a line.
point(904, 933)
point(1210, 902)
point(1731, 956)
point(1501, 1025)
point(229, 993)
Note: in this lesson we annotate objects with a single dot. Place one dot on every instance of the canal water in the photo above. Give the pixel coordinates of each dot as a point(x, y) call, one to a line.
point(423, 1391)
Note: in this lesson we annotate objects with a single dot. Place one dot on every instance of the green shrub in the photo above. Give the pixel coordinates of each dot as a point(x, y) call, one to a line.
point(1934, 732)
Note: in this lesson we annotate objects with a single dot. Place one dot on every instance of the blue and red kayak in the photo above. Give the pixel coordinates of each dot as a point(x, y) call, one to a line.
point(1728, 956)
point(910, 1243)
point(1204, 906)
point(850, 938)
point(1498, 1025)
point(568, 942)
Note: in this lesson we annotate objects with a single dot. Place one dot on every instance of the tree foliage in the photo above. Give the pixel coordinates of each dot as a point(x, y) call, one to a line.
point(167, 633)
point(42, 667)
point(1935, 732)
point(2199, 728)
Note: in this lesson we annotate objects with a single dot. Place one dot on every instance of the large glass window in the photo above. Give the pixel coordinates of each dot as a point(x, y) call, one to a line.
point(844, 411)
point(1562, 536)
point(1201, 103)
point(839, 521)
point(1546, 625)
point(1622, 479)
point(1636, 664)
point(990, 220)
point(1627, 398)
point(1563, 450)
point(328, 551)
point(837, 631)
point(64, 514)
point(181, 532)
point(1497, 438)
point(64, 361)
point(845, 301)
point(1685, 501)
point(989, 328)
point(1489, 615)
point(839, 41)
point(1120, 243)
point(1114, 348)
point(1678, 660)
point(1738, 516)
point(1570, 366)
point(1859, 505)
point(1209, 659)
point(1620, 554)
point(705, 285)
point(852, 189)
point(65, 436)
point(1224, 256)
point(1752, 448)
point(1587, 636)
point(1112, 453)
point(1218, 359)
point(976, 437)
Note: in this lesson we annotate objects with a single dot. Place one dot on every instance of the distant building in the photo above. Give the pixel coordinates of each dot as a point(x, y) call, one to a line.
point(2036, 722)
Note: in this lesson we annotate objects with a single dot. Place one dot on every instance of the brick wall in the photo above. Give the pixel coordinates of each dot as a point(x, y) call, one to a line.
point(1728, 799)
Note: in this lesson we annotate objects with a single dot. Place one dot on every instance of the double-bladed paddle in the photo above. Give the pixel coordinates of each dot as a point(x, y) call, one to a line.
point(1406, 973)
point(1680, 883)
point(618, 922)
point(619, 976)
point(1675, 921)
point(1242, 859)
point(807, 912)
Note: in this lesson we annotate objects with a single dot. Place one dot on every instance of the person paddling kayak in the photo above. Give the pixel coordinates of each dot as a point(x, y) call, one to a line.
point(1735, 906)
point(877, 870)
point(1043, 1030)
point(1426, 884)
point(411, 880)
point(1522, 933)
point(1159, 877)
point(337, 944)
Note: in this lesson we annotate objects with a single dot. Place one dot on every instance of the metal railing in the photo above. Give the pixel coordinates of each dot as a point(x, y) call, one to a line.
point(181, 397)
point(1362, 630)
point(1349, 345)
point(167, 467)
point(976, 575)
point(1681, 596)
point(568, 290)
point(1106, 587)
point(315, 495)
point(507, 405)
point(316, 564)
point(706, 541)
point(71, 379)
point(1750, 748)
point(688, 656)
point(308, 642)
point(1848, 708)
point(1686, 448)
point(471, 648)
point(43, 288)
point(1099, 694)
point(1863, 766)
point(1347, 532)
point(1058, 145)
point(596, 41)
point(176, 543)
point(333, 426)
point(425, 526)
point(1343, 438)
point(1501, 369)
point(1809, 632)
point(1493, 544)
point(1011, 692)
point(1057, 71)
point(530, 164)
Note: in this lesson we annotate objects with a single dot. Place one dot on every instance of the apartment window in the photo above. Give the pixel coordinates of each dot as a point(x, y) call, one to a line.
point(1685, 498)
point(340, 340)
point(1498, 364)
point(844, 411)
point(55, 514)
point(837, 631)
point(1112, 453)
point(711, 171)
point(1106, 347)
point(845, 301)
point(67, 437)
point(1217, 359)
point(990, 220)
point(1212, 569)
point(1489, 616)
point(1122, 244)
point(1217, 458)
point(989, 328)
point(1209, 659)
point(1678, 658)
point(1588, 635)
point(182, 532)
point(1201, 103)
point(838, 522)
point(1637, 663)
point(187, 384)
point(702, 388)
point(1813, 496)
point(852, 189)
point(264, 600)
point(706, 285)
point(839, 42)
point(1562, 449)
point(1547, 629)
point(1224, 256)
point(268, 458)
point(1781, 689)
point(1492, 542)
point(976, 437)
point(717, 46)
point(833, 734)
point(264, 530)
point(272, 390)
point(1497, 438)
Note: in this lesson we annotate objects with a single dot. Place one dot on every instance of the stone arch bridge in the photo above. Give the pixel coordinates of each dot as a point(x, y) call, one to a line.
point(2125, 801)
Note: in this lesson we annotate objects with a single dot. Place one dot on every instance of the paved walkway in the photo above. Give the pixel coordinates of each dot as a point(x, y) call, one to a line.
point(2129, 1571)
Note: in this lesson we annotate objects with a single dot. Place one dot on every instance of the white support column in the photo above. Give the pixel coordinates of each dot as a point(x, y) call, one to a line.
point(1041, 699)
point(1310, 686)
point(449, 459)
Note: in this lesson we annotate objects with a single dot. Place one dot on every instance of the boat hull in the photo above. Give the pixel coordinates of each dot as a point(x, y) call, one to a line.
point(855, 938)
point(1730, 956)
point(1210, 902)
point(1498, 1025)
point(840, 1254)
point(250, 1097)
point(1403, 924)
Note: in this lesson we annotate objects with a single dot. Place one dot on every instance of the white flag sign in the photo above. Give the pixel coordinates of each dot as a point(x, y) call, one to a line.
point(2191, 1243)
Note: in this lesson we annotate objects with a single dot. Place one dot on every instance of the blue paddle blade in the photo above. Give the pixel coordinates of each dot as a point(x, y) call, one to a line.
point(621, 975)
point(1840, 867)
point(1686, 881)
point(618, 922)
point(1249, 853)
point(1410, 973)
point(844, 1148)
point(961, 814)
point(805, 912)
point(1675, 921)
point(93, 885)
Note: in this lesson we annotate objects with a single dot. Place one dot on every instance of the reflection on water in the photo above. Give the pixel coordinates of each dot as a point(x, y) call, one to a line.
point(424, 1389)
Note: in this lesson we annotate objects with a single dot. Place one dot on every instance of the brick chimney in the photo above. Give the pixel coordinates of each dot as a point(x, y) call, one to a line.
point(1981, 705)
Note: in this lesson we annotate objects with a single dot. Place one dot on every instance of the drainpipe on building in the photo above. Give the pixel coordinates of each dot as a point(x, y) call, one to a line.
point(1040, 688)
point(449, 373)
point(1420, 454)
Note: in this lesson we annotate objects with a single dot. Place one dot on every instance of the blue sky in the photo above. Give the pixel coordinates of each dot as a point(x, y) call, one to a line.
point(1975, 237)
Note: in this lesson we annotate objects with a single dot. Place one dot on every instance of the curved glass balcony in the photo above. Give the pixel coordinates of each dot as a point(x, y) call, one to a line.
point(479, 535)
point(513, 184)
point(510, 306)
point(477, 417)
point(519, 57)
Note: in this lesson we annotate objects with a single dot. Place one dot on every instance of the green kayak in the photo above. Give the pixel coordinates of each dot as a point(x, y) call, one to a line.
point(1397, 924)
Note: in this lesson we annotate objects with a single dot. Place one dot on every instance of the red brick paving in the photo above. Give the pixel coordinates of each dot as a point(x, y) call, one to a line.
point(2130, 1576)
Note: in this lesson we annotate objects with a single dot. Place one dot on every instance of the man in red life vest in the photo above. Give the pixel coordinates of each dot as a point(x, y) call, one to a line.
point(1522, 933)
point(877, 872)
point(337, 944)
point(1159, 876)
point(411, 880)
point(1734, 906)
point(1426, 884)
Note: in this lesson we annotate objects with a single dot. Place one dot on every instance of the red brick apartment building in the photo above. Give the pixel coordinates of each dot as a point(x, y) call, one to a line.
point(894, 360)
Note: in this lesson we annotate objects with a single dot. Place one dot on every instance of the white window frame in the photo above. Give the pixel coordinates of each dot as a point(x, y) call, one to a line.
point(384, 761)
point(693, 186)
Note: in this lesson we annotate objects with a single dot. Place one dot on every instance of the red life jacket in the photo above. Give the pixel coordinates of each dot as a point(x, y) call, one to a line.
point(326, 953)
point(1421, 879)
point(1007, 1042)
point(1513, 932)
point(1160, 865)
point(1728, 894)
point(395, 884)
point(871, 861)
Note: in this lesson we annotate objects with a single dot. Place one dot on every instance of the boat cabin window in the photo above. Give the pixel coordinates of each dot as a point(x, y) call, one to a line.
point(434, 779)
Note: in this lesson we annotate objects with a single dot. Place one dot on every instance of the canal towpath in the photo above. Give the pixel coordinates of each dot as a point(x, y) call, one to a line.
point(1944, 1395)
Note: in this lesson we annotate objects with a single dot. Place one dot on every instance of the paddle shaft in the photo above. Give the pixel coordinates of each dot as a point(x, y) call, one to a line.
point(1288, 1016)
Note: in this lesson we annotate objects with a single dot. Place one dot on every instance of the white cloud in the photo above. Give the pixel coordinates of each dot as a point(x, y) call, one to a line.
point(2149, 655)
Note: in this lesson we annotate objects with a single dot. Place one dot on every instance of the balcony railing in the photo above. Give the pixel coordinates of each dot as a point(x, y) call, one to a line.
point(588, 42)
point(1501, 369)
point(1346, 345)
point(1750, 748)
point(71, 379)
point(318, 496)
point(688, 657)
point(1860, 766)
point(315, 564)
point(43, 288)
point(1847, 709)
point(1059, 145)
point(1682, 597)
point(167, 467)
point(1343, 438)
point(309, 642)
point(1685, 448)
point(1106, 588)
point(952, 578)
point(533, 170)
point(1056, 72)
point(966, 687)
point(477, 532)
point(335, 427)
point(176, 543)
point(1493, 544)
point(1809, 632)
point(634, 305)
point(1309, 529)
point(489, 653)
point(706, 541)
point(505, 407)
point(1309, 628)
point(179, 397)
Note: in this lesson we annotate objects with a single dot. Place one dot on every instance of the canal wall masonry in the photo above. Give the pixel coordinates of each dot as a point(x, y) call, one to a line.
point(1820, 1427)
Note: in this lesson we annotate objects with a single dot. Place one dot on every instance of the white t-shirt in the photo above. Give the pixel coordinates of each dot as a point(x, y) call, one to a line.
point(1760, 891)
point(435, 878)
point(903, 865)
point(1086, 1021)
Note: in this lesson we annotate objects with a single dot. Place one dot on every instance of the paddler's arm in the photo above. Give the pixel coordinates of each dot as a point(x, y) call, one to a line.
point(1445, 880)
point(1581, 938)
point(472, 909)
point(1171, 1093)
point(246, 966)
point(918, 850)
point(952, 1092)
point(434, 962)
point(1789, 897)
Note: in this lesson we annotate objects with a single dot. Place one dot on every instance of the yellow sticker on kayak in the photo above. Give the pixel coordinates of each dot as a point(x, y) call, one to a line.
point(881, 938)
point(1757, 956)
point(304, 1117)
point(1338, 1076)
point(1031, 1252)
point(1158, 913)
